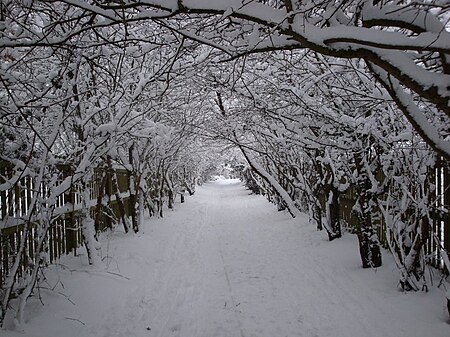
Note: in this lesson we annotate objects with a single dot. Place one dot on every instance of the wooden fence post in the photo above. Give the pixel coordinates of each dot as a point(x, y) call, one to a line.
point(446, 216)
point(3, 258)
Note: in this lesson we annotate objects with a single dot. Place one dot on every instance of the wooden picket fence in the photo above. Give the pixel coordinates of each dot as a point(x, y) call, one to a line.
point(440, 215)
point(64, 235)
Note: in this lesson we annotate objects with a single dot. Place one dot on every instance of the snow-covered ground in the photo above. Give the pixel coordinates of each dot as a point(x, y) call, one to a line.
point(227, 264)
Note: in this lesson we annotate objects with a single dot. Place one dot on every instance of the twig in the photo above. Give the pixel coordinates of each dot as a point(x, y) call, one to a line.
point(75, 319)
point(110, 272)
point(57, 292)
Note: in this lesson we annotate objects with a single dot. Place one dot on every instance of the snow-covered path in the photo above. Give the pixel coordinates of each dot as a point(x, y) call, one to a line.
point(228, 264)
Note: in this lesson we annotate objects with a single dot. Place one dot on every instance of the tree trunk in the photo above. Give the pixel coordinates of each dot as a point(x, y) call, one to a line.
point(333, 214)
point(369, 246)
point(148, 201)
point(170, 201)
point(170, 191)
point(132, 183)
point(161, 197)
point(448, 304)
point(317, 214)
point(116, 191)
point(31, 277)
point(99, 208)
point(271, 181)
point(140, 207)
point(88, 227)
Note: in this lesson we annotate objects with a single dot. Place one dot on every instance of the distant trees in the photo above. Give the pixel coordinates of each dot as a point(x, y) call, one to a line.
point(332, 131)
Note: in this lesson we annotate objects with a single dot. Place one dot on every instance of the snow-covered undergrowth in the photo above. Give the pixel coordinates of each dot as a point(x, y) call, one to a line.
point(226, 263)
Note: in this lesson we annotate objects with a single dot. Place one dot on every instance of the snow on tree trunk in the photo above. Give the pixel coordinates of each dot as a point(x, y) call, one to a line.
point(446, 258)
point(369, 245)
point(160, 185)
point(315, 215)
point(406, 212)
point(132, 184)
point(141, 208)
point(31, 212)
point(170, 191)
point(88, 228)
point(272, 182)
point(333, 226)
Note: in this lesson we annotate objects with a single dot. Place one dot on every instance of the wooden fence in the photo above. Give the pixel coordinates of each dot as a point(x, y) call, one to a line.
point(64, 235)
point(440, 215)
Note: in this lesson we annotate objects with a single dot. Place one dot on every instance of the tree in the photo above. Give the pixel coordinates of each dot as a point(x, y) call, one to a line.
point(81, 106)
point(404, 43)
point(304, 89)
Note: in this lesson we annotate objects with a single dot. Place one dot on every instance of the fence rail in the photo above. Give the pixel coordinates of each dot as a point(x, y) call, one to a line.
point(64, 234)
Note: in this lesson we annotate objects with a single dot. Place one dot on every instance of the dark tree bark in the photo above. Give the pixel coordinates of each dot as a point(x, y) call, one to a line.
point(99, 208)
point(132, 188)
point(369, 245)
point(333, 210)
point(116, 191)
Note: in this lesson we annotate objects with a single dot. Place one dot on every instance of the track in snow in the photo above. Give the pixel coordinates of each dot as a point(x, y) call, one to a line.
point(227, 264)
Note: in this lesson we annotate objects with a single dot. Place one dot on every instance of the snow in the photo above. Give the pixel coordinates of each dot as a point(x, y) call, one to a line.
point(226, 263)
